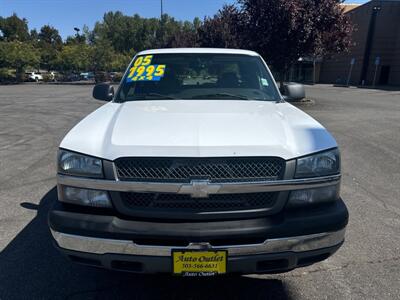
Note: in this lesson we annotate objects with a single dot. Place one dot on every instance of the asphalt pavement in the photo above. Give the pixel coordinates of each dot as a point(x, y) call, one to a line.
point(366, 124)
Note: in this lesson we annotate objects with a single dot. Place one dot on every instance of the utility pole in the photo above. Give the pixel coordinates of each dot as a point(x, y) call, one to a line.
point(161, 21)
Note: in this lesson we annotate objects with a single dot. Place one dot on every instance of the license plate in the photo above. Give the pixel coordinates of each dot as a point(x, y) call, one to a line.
point(199, 263)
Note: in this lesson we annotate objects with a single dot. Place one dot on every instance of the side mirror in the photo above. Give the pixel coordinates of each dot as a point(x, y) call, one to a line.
point(293, 91)
point(103, 91)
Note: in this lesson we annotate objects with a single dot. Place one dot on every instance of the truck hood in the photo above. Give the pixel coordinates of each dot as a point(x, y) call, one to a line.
point(198, 128)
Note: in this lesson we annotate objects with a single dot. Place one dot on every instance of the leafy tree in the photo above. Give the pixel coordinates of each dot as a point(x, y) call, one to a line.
point(49, 43)
point(75, 58)
point(142, 34)
point(129, 34)
point(282, 31)
point(49, 35)
point(171, 33)
point(87, 34)
point(181, 34)
point(14, 29)
point(334, 35)
point(76, 39)
point(120, 61)
point(101, 56)
point(223, 30)
point(34, 37)
point(118, 29)
point(79, 38)
point(18, 55)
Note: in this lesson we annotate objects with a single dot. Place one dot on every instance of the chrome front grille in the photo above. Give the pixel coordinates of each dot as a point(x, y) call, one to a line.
point(230, 169)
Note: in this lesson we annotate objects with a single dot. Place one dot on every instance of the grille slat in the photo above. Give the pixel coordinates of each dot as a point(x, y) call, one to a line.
point(215, 202)
point(214, 169)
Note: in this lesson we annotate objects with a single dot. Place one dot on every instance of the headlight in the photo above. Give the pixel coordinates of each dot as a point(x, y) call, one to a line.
point(306, 197)
point(86, 197)
point(320, 164)
point(77, 164)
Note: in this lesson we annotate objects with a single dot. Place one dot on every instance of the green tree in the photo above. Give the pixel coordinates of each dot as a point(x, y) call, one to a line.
point(131, 34)
point(179, 34)
point(18, 55)
point(118, 29)
point(14, 29)
point(101, 56)
point(76, 39)
point(74, 58)
point(120, 61)
point(49, 35)
point(49, 43)
point(79, 38)
point(223, 30)
point(34, 37)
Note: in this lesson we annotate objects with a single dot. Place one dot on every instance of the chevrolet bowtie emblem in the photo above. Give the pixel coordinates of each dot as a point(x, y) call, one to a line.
point(198, 188)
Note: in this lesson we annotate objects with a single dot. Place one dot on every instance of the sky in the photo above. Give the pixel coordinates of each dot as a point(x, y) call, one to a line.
point(67, 14)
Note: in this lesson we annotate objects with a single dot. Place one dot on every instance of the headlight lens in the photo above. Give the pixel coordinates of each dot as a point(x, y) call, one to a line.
point(307, 197)
point(320, 164)
point(94, 198)
point(77, 164)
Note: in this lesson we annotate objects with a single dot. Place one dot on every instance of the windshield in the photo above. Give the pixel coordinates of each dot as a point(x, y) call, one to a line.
point(197, 76)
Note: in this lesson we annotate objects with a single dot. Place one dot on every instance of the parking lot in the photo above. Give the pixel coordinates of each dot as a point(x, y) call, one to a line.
point(366, 124)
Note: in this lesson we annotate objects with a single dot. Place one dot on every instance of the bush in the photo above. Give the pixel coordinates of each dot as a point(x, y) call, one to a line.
point(47, 77)
point(7, 75)
point(58, 77)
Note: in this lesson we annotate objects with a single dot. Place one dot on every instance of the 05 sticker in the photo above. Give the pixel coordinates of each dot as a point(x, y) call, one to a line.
point(143, 70)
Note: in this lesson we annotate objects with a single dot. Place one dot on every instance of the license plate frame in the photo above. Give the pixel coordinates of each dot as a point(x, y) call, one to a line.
point(194, 263)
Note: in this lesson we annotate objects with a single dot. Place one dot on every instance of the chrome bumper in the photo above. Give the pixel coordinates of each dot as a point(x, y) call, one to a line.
point(103, 246)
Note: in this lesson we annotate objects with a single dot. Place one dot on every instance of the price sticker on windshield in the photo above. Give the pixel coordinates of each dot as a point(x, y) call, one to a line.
point(143, 70)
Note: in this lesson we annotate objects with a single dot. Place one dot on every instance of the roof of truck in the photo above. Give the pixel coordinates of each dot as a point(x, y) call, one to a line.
point(198, 50)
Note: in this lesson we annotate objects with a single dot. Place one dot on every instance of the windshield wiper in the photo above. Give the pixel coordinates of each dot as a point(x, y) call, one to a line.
point(153, 96)
point(220, 95)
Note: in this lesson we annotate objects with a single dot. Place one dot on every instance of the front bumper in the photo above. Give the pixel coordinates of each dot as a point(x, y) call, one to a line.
point(276, 262)
point(286, 240)
point(104, 246)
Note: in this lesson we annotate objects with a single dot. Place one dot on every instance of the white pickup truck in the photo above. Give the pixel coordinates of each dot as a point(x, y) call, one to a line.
point(197, 166)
